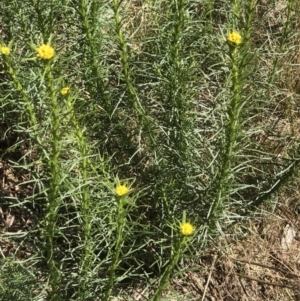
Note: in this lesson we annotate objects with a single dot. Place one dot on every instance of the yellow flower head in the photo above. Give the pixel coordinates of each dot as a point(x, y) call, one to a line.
point(234, 38)
point(65, 91)
point(4, 50)
point(187, 229)
point(121, 190)
point(45, 52)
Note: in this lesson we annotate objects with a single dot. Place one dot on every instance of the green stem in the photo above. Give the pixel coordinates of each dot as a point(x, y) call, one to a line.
point(249, 20)
point(117, 250)
point(86, 261)
point(41, 21)
point(53, 197)
point(133, 96)
point(284, 36)
point(236, 12)
point(231, 136)
point(177, 106)
point(93, 49)
point(177, 34)
point(165, 277)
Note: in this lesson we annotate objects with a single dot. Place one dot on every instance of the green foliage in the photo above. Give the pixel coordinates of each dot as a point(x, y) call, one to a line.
point(18, 282)
point(147, 96)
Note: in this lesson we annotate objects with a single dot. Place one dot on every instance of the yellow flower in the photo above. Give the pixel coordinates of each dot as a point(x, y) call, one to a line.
point(121, 190)
point(65, 91)
point(187, 229)
point(234, 38)
point(5, 50)
point(45, 52)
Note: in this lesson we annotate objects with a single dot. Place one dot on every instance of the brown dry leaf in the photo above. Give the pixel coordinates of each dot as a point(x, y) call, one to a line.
point(288, 236)
point(9, 220)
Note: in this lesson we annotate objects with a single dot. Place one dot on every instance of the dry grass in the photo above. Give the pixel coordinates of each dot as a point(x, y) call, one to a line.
point(256, 267)
point(252, 264)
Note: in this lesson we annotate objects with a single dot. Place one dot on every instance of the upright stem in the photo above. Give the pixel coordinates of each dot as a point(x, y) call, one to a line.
point(178, 249)
point(88, 30)
point(249, 20)
point(231, 138)
point(177, 99)
point(284, 36)
point(53, 197)
point(86, 261)
point(120, 220)
point(133, 96)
